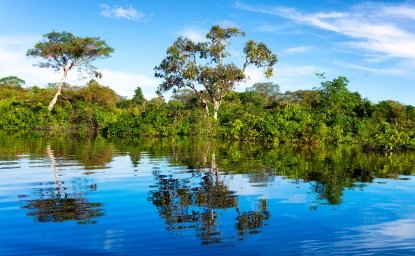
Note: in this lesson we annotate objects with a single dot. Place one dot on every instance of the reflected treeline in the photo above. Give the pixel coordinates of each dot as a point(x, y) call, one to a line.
point(251, 221)
point(90, 152)
point(197, 200)
point(59, 200)
point(329, 171)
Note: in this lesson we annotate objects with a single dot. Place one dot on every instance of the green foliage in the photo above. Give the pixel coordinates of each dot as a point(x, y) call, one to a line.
point(269, 90)
point(253, 99)
point(391, 112)
point(94, 93)
point(259, 55)
point(384, 136)
point(186, 96)
point(201, 65)
point(289, 124)
point(138, 98)
point(12, 81)
point(201, 73)
point(64, 50)
point(330, 115)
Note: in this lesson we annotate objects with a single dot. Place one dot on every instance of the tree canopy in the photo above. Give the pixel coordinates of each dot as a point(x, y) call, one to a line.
point(138, 98)
point(200, 66)
point(62, 51)
point(12, 81)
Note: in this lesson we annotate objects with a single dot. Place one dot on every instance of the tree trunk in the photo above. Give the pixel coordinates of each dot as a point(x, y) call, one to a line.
point(205, 105)
point(202, 100)
point(216, 105)
point(59, 92)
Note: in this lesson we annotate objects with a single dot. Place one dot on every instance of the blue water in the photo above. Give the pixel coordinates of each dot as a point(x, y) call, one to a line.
point(93, 197)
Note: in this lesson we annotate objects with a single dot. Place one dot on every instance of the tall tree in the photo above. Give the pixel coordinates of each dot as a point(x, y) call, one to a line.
point(12, 81)
point(63, 51)
point(138, 98)
point(268, 89)
point(198, 65)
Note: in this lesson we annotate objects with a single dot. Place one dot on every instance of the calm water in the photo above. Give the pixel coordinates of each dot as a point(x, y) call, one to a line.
point(68, 196)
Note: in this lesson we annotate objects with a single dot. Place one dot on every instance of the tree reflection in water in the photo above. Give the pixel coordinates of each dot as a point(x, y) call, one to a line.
point(197, 198)
point(250, 222)
point(62, 209)
point(57, 201)
point(196, 201)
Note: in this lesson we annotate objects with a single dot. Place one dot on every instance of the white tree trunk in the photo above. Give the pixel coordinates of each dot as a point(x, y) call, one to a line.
point(206, 107)
point(216, 105)
point(59, 92)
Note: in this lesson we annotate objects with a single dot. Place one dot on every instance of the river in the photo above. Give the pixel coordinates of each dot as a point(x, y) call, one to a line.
point(71, 195)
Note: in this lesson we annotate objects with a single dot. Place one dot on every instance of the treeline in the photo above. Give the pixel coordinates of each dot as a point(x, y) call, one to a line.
point(330, 114)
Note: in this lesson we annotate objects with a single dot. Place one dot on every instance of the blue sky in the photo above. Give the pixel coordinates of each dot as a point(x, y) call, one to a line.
point(371, 43)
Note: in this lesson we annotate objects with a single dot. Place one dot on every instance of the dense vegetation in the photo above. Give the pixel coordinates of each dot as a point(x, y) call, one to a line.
point(330, 114)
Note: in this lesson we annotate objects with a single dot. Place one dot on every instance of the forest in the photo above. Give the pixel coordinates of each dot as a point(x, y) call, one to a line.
point(329, 114)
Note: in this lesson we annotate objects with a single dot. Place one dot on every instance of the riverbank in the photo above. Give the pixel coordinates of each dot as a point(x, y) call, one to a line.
point(330, 115)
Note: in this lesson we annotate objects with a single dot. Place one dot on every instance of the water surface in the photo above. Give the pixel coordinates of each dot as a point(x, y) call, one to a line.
point(63, 195)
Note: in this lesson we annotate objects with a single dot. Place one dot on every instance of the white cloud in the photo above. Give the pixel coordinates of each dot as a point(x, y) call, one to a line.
point(13, 61)
point(301, 70)
point(268, 28)
point(124, 83)
point(401, 69)
point(382, 71)
point(400, 11)
point(376, 28)
point(282, 71)
point(300, 77)
point(227, 23)
point(128, 13)
point(299, 49)
point(197, 35)
point(21, 42)
point(287, 76)
point(254, 75)
point(330, 15)
point(375, 58)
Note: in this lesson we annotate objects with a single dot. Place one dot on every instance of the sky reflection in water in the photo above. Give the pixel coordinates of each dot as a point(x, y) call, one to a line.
point(60, 195)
